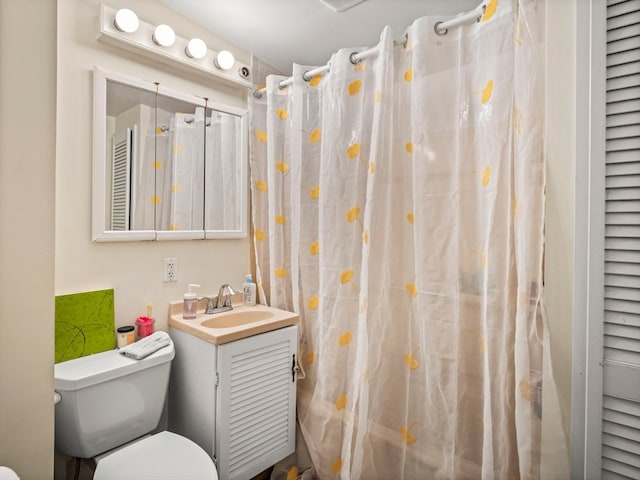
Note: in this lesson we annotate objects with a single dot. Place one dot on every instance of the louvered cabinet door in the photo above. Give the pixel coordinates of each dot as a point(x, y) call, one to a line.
point(621, 353)
point(256, 400)
point(121, 151)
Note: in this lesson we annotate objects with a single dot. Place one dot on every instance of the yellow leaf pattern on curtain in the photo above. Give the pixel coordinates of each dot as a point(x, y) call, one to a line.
point(155, 199)
point(157, 165)
point(314, 249)
point(176, 188)
point(262, 136)
point(310, 357)
point(314, 136)
point(260, 235)
point(344, 339)
point(280, 272)
point(486, 175)
point(315, 80)
point(262, 185)
point(490, 10)
point(410, 218)
point(173, 227)
point(408, 75)
point(341, 402)
point(280, 219)
point(315, 193)
point(346, 276)
point(410, 360)
point(354, 87)
point(353, 150)
point(282, 167)
point(372, 167)
point(178, 149)
point(408, 147)
point(411, 289)
point(487, 92)
point(352, 214)
point(408, 437)
point(336, 466)
point(282, 113)
point(365, 237)
point(292, 474)
point(313, 302)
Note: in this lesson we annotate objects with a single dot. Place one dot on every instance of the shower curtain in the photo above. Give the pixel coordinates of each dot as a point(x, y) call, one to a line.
point(179, 182)
point(398, 207)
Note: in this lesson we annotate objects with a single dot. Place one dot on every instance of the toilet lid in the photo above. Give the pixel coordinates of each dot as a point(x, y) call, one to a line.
point(164, 456)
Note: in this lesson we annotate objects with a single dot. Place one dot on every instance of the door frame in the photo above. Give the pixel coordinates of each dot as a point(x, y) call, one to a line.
point(588, 301)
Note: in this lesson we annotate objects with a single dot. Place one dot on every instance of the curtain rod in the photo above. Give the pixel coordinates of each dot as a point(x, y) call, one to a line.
point(441, 28)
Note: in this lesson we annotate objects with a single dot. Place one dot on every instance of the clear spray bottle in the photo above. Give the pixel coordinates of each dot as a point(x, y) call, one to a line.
point(249, 291)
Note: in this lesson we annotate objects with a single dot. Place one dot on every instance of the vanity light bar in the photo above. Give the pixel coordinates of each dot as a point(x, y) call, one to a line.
point(157, 42)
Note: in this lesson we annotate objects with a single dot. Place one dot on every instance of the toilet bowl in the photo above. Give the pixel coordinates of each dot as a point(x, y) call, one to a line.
point(109, 406)
point(164, 455)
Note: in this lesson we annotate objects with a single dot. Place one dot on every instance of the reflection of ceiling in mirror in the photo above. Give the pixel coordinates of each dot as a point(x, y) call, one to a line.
point(121, 98)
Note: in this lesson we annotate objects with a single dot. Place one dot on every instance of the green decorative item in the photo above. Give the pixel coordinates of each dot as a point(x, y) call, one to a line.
point(84, 324)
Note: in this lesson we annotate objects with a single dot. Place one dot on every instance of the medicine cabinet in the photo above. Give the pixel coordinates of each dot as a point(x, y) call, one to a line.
point(166, 165)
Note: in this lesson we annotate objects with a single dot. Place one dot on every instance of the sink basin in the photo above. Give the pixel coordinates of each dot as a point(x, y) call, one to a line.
point(241, 322)
point(236, 319)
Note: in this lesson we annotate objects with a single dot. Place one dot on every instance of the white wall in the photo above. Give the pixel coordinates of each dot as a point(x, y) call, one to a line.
point(27, 162)
point(560, 108)
point(132, 269)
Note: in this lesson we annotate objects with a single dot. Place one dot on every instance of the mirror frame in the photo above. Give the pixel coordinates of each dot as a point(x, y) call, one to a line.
point(100, 172)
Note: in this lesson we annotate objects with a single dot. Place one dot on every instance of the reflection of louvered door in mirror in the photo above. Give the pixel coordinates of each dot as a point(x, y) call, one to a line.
point(121, 179)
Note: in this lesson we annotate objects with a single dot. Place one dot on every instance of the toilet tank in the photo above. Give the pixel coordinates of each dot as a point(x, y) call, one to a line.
point(108, 399)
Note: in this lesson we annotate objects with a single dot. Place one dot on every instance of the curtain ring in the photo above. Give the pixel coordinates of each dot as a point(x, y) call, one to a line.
point(257, 94)
point(305, 78)
point(353, 59)
point(439, 32)
point(406, 41)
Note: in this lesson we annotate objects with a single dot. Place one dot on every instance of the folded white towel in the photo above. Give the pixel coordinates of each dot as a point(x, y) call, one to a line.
point(146, 346)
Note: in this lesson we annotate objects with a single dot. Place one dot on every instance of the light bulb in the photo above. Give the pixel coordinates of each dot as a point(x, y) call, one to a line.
point(196, 48)
point(224, 60)
point(126, 20)
point(164, 36)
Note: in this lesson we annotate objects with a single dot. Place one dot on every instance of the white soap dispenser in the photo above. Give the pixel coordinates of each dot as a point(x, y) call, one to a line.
point(190, 302)
point(249, 291)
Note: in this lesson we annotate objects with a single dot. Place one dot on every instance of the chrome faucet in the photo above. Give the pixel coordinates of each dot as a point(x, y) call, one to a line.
point(223, 302)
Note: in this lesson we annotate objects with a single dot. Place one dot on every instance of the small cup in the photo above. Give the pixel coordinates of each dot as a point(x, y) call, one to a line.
point(126, 336)
point(145, 326)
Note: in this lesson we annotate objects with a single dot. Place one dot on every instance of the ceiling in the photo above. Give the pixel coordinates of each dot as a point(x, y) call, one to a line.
point(281, 32)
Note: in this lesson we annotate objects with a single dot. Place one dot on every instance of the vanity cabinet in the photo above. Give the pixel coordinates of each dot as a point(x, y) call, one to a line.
point(236, 400)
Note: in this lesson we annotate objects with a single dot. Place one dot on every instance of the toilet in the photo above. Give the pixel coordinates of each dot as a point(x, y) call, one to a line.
point(109, 405)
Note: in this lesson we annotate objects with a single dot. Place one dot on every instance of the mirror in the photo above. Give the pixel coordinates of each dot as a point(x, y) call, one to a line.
point(166, 165)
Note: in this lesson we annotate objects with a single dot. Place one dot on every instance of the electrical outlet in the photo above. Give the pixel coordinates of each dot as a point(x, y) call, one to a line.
point(170, 269)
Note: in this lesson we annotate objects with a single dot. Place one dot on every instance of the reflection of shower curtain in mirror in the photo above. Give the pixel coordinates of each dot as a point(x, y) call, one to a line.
point(222, 189)
point(143, 173)
point(180, 197)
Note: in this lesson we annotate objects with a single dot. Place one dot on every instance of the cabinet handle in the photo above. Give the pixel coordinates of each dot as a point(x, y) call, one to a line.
point(294, 368)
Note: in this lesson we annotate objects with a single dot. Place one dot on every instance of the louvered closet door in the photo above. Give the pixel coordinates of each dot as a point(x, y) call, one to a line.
point(256, 403)
point(621, 374)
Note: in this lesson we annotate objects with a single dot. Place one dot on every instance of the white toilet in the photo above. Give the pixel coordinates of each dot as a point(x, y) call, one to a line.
point(109, 405)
